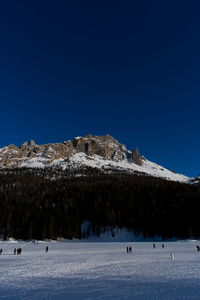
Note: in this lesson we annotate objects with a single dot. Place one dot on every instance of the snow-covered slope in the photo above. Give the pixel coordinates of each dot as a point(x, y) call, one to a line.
point(80, 160)
point(103, 271)
point(102, 152)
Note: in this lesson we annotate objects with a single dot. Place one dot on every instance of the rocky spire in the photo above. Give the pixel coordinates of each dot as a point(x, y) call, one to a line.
point(136, 157)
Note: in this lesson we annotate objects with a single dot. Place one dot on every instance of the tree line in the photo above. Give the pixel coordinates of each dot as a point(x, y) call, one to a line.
point(39, 207)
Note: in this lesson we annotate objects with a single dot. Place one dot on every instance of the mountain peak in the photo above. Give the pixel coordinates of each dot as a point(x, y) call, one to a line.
point(29, 143)
point(102, 152)
point(106, 147)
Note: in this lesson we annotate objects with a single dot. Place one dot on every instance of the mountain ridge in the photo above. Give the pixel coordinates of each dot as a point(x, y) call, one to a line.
point(102, 152)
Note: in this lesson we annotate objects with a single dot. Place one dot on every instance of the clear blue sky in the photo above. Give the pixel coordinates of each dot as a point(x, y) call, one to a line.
point(127, 68)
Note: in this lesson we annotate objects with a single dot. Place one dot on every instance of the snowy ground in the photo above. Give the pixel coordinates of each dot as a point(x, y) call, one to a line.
point(81, 270)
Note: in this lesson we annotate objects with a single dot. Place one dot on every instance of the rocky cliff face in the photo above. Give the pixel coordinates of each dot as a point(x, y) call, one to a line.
point(99, 152)
point(105, 147)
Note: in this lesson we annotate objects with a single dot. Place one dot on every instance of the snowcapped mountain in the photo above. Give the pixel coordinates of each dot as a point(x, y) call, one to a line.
point(102, 152)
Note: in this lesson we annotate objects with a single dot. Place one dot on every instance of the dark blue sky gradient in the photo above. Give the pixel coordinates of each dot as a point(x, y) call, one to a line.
point(127, 68)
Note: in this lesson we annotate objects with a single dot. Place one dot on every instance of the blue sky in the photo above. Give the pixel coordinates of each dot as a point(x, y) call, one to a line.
point(127, 68)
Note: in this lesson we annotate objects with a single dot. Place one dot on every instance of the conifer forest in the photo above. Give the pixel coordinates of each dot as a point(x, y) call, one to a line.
point(39, 204)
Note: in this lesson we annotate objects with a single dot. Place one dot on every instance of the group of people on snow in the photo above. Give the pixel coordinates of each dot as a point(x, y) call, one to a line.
point(19, 250)
point(129, 249)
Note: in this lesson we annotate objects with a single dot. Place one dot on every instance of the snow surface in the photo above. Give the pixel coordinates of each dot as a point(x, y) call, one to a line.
point(95, 161)
point(80, 160)
point(120, 235)
point(82, 270)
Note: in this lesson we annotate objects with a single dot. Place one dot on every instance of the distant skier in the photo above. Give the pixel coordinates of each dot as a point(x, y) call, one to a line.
point(15, 250)
point(163, 246)
point(198, 248)
point(172, 256)
point(154, 245)
point(1, 251)
point(47, 249)
point(130, 249)
point(127, 249)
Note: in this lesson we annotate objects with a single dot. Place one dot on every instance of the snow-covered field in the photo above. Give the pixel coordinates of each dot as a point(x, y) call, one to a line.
point(82, 270)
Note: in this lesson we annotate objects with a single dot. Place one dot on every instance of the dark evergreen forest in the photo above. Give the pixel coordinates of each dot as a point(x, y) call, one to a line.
point(36, 206)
